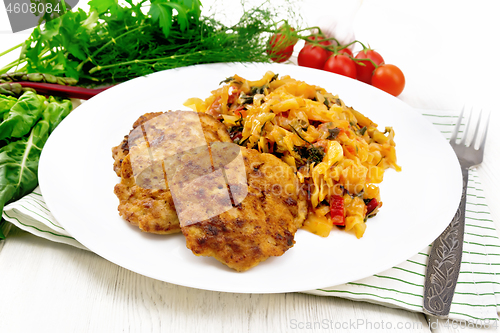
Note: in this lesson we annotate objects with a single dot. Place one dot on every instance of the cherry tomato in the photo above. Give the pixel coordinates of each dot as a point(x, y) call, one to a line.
point(341, 64)
point(321, 41)
point(346, 51)
point(389, 78)
point(312, 56)
point(280, 46)
point(364, 73)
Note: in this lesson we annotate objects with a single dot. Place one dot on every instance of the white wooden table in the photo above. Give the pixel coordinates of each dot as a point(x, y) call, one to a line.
point(449, 54)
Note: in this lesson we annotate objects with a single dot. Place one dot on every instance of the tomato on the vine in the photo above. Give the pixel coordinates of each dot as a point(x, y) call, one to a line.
point(389, 78)
point(346, 51)
point(280, 46)
point(312, 56)
point(341, 64)
point(365, 72)
point(321, 40)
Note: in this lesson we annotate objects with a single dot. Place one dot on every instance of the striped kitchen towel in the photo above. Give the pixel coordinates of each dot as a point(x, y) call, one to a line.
point(477, 295)
point(31, 214)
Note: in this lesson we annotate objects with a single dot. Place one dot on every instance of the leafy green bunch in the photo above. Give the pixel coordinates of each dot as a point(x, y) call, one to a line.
point(25, 125)
point(114, 42)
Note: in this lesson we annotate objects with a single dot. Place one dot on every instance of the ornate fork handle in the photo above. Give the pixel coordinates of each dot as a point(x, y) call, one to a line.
point(444, 261)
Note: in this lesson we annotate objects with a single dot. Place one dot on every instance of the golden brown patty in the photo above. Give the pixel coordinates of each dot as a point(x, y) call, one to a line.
point(213, 130)
point(119, 152)
point(262, 225)
point(153, 210)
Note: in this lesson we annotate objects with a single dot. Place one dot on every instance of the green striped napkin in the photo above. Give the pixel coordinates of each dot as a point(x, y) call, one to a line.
point(31, 214)
point(477, 295)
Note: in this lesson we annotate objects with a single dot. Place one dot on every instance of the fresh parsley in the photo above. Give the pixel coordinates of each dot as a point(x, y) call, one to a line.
point(117, 41)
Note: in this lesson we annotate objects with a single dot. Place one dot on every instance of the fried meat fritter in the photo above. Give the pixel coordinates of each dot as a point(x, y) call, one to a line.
point(262, 225)
point(240, 214)
point(119, 152)
point(152, 209)
point(213, 130)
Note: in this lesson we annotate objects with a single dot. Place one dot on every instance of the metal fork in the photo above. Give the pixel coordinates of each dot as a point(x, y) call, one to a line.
point(444, 261)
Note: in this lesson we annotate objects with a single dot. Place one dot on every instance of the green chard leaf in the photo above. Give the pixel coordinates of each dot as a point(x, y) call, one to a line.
point(19, 159)
point(6, 103)
point(18, 169)
point(55, 112)
point(22, 116)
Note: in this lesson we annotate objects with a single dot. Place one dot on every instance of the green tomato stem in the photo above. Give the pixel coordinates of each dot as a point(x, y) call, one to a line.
point(358, 60)
point(363, 45)
point(347, 45)
point(320, 33)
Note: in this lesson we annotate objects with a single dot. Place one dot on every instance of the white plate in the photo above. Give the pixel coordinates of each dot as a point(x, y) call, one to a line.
point(77, 180)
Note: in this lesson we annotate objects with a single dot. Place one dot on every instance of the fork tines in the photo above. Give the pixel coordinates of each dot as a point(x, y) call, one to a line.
point(474, 139)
